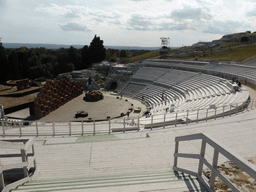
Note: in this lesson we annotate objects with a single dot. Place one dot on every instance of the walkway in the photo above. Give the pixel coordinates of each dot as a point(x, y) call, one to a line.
point(133, 154)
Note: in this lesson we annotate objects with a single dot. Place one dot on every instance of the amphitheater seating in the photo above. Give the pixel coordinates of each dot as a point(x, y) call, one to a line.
point(132, 89)
point(178, 90)
point(168, 77)
point(149, 73)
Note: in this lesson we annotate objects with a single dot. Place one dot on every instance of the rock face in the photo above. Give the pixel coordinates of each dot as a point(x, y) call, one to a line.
point(93, 96)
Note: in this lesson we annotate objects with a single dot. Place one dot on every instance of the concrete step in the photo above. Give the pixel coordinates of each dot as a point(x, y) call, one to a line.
point(170, 180)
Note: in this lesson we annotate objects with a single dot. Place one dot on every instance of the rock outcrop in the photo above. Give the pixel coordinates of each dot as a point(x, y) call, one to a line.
point(93, 96)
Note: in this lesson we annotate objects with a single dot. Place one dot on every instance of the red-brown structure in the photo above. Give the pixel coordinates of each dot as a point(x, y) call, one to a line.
point(54, 94)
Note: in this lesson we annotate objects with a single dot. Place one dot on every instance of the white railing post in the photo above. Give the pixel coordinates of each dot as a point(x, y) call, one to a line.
point(24, 159)
point(214, 165)
point(197, 115)
point(230, 108)
point(164, 120)
point(252, 103)
point(3, 128)
point(94, 127)
point(53, 129)
point(206, 114)
point(215, 113)
point(69, 125)
point(138, 123)
point(202, 153)
point(151, 122)
point(187, 117)
point(33, 152)
point(82, 128)
point(20, 129)
point(109, 126)
point(124, 126)
point(236, 108)
point(2, 185)
point(176, 119)
point(223, 111)
point(37, 133)
point(176, 151)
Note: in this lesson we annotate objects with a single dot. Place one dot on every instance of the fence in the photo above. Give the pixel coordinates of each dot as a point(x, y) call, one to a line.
point(28, 162)
point(218, 149)
point(38, 128)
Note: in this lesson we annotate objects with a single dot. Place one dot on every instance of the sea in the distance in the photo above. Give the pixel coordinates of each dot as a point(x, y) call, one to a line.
point(57, 46)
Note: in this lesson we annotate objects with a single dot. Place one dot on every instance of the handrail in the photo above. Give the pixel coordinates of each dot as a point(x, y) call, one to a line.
point(245, 165)
point(26, 163)
point(40, 128)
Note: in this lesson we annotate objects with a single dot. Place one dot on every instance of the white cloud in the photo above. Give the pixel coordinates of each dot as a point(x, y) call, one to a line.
point(190, 13)
point(251, 13)
point(74, 27)
point(138, 22)
point(224, 27)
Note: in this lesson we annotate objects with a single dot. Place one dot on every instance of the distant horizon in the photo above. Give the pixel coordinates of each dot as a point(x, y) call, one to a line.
point(56, 46)
point(78, 44)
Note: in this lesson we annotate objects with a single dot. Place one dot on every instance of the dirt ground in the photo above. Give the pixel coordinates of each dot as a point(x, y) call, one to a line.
point(109, 106)
point(10, 101)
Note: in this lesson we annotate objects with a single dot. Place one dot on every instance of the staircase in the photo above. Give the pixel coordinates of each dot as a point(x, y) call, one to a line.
point(162, 181)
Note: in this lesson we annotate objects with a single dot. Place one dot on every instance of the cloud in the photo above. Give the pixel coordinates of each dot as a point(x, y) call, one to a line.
point(71, 15)
point(251, 13)
point(190, 13)
point(74, 27)
point(172, 26)
point(223, 27)
point(138, 22)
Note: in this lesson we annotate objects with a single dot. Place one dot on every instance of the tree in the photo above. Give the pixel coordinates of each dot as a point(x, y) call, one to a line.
point(4, 64)
point(74, 57)
point(97, 51)
point(86, 61)
point(123, 54)
point(15, 66)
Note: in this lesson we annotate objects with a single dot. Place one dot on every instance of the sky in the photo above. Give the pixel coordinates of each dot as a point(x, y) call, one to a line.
point(123, 22)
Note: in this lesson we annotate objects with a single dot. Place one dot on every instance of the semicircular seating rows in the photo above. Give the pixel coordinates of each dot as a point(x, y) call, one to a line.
point(171, 90)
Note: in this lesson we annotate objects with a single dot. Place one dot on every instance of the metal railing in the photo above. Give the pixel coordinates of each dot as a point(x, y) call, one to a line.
point(39, 128)
point(27, 154)
point(218, 149)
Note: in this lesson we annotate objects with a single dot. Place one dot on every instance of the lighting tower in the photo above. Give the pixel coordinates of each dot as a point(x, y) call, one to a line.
point(164, 45)
point(165, 42)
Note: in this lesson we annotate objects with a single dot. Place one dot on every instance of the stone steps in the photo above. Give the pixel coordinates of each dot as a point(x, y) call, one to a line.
point(173, 181)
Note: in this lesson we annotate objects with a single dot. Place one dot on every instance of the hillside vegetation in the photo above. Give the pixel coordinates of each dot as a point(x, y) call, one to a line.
point(237, 53)
point(238, 47)
point(144, 56)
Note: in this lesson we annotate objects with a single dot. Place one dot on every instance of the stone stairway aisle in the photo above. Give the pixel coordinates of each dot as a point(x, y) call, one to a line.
point(162, 181)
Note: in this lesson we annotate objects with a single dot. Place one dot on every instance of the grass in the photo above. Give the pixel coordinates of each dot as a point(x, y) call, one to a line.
point(236, 52)
point(144, 56)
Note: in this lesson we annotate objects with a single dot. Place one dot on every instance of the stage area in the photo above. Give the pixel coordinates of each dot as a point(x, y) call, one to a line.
point(100, 110)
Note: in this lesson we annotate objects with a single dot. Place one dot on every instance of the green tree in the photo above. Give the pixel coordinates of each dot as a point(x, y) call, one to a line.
point(5, 69)
point(74, 57)
point(86, 61)
point(97, 51)
point(15, 66)
point(123, 54)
